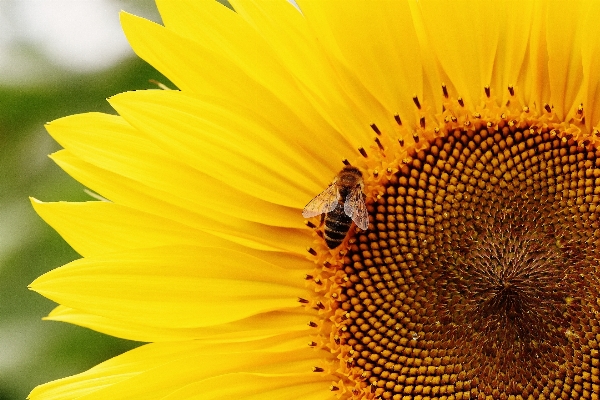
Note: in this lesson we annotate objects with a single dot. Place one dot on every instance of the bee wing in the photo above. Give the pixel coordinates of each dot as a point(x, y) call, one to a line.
point(324, 202)
point(356, 208)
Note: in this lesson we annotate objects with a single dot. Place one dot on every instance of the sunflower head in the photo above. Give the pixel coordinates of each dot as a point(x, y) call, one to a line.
point(458, 254)
point(471, 278)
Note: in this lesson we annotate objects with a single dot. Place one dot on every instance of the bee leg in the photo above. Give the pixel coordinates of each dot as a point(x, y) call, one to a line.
point(322, 220)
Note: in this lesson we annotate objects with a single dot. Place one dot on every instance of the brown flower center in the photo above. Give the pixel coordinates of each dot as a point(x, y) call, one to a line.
point(478, 276)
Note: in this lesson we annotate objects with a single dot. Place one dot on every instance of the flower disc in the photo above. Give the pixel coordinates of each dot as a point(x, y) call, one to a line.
point(471, 278)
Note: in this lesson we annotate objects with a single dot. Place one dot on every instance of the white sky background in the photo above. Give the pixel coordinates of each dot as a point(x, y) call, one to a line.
point(41, 39)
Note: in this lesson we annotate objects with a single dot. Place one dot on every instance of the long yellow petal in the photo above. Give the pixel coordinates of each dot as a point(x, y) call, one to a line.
point(323, 81)
point(224, 144)
point(511, 50)
point(218, 68)
point(95, 228)
point(108, 142)
point(251, 328)
point(535, 78)
point(173, 286)
point(132, 194)
point(466, 49)
point(98, 227)
point(590, 29)
point(433, 77)
point(111, 372)
point(227, 33)
point(379, 44)
point(564, 55)
point(156, 370)
point(253, 386)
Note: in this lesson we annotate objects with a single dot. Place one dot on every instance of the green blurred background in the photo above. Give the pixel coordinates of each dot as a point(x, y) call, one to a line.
point(57, 57)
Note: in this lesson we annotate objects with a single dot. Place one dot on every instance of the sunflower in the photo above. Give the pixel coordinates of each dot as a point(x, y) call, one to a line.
point(473, 128)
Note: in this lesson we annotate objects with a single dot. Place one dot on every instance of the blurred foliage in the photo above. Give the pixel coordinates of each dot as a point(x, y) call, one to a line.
point(34, 351)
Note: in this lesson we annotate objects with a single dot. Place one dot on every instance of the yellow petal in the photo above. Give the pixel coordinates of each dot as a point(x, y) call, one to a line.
point(159, 369)
point(591, 63)
point(511, 49)
point(252, 386)
point(108, 142)
point(251, 328)
point(237, 71)
point(379, 44)
point(564, 55)
point(224, 144)
point(432, 70)
point(95, 228)
point(324, 83)
point(134, 195)
point(173, 286)
point(201, 67)
point(464, 35)
point(111, 372)
point(535, 79)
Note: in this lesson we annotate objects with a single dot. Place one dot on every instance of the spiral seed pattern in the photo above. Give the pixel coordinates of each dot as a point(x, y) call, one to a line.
point(478, 275)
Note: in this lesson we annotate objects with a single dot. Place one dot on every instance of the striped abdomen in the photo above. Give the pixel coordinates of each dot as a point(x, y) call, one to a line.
point(337, 225)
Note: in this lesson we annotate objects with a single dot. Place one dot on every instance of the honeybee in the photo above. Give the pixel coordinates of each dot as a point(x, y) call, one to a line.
point(342, 202)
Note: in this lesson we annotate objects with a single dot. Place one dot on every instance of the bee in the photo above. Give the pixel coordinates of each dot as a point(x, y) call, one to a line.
point(342, 202)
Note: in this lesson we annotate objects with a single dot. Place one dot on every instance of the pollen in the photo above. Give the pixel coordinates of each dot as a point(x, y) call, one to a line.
point(478, 275)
